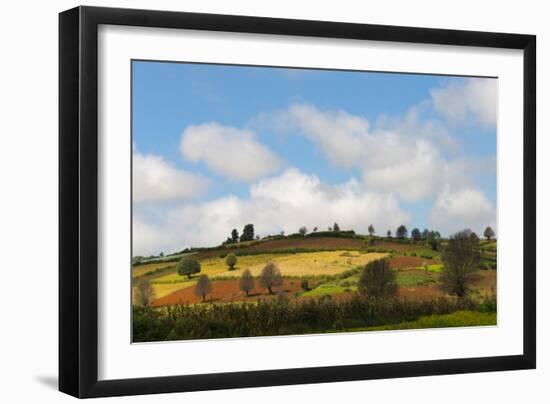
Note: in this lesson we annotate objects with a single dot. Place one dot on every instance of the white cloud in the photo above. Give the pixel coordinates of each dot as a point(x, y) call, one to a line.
point(156, 180)
point(231, 152)
point(467, 100)
point(454, 210)
point(397, 155)
point(285, 202)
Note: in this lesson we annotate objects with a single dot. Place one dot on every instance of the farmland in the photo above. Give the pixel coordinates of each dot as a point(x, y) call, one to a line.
point(331, 268)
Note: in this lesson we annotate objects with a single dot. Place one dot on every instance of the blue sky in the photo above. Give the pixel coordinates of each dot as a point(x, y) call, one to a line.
point(208, 136)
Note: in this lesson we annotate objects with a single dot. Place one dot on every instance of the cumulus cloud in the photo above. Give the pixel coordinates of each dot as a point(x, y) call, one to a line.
point(231, 152)
point(401, 156)
point(457, 209)
point(467, 100)
point(285, 202)
point(157, 180)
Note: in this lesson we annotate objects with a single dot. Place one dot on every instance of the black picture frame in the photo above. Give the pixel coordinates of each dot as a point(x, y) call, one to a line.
point(78, 201)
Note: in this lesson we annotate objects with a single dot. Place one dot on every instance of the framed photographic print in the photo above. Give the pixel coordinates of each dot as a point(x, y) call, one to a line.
point(299, 201)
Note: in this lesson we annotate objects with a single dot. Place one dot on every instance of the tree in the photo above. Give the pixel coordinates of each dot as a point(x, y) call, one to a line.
point(270, 277)
point(246, 283)
point(425, 234)
point(161, 254)
point(303, 231)
point(401, 232)
point(371, 230)
point(248, 233)
point(304, 284)
point(314, 229)
point(488, 233)
point(434, 240)
point(234, 236)
point(231, 261)
point(388, 233)
point(336, 227)
point(203, 287)
point(144, 293)
point(460, 259)
point(378, 280)
point(188, 266)
point(415, 234)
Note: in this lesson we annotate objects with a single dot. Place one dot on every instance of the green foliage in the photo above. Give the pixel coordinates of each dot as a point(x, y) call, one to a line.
point(401, 232)
point(248, 233)
point(188, 266)
point(489, 233)
point(336, 227)
point(460, 259)
point(416, 235)
point(371, 230)
point(303, 231)
point(231, 261)
point(293, 317)
point(378, 280)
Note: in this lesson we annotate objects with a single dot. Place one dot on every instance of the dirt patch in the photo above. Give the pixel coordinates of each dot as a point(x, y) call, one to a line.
point(227, 291)
point(401, 262)
point(421, 292)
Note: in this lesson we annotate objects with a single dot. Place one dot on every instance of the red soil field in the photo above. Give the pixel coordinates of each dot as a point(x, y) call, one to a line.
point(226, 291)
point(400, 262)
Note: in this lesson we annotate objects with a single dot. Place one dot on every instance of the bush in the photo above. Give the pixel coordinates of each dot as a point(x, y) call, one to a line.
point(378, 280)
point(231, 261)
point(284, 317)
point(188, 266)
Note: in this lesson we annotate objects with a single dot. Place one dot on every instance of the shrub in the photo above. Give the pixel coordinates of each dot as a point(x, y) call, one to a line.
point(231, 261)
point(188, 266)
point(378, 280)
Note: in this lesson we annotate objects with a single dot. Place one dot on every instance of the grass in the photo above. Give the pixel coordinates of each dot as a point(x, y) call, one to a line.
point(462, 318)
point(164, 289)
point(301, 264)
point(147, 269)
point(328, 289)
point(414, 278)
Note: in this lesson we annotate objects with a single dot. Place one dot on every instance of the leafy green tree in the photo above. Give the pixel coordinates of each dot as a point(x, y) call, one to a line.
point(388, 233)
point(460, 259)
point(231, 261)
point(314, 229)
point(143, 293)
point(371, 230)
point(336, 227)
point(234, 236)
point(303, 231)
point(488, 233)
point(248, 233)
point(188, 266)
point(203, 287)
point(434, 240)
point(270, 277)
point(378, 280)
point(246, 283)
point(415, 234)
point(401, 232)
point(425, 234)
